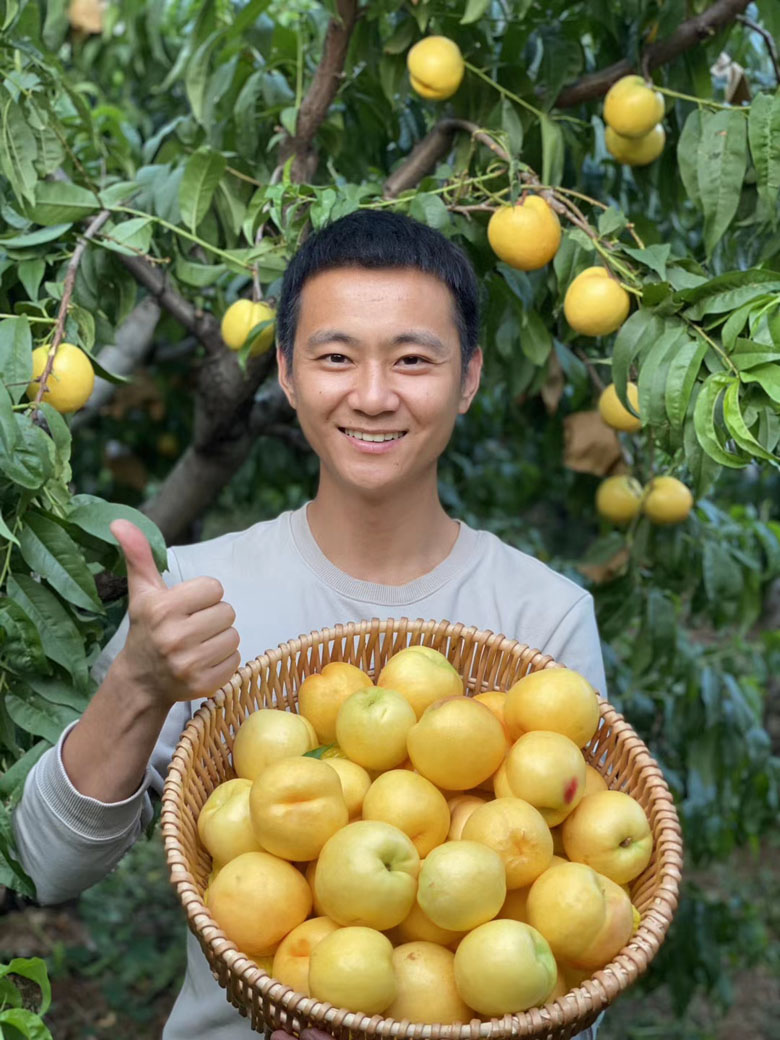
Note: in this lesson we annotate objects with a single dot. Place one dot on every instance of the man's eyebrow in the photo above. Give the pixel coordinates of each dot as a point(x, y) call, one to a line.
point(419, 336)
point(422, 337)
point(330, 336)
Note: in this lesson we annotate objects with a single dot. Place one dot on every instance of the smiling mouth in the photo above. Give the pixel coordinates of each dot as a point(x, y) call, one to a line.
point(362, 435)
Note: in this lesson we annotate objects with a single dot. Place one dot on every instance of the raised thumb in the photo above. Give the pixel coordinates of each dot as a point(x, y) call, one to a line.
point(142, 572)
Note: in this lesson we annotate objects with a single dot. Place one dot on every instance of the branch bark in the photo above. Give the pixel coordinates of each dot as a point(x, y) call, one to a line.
point(430, 149)
point(687, 35)
point(228, 420)
point(201, 324)
point(134, 340)
point(321, 92)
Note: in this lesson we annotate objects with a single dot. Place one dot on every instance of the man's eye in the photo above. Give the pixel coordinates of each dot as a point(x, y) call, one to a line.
point(336, 359)
point(412, 360)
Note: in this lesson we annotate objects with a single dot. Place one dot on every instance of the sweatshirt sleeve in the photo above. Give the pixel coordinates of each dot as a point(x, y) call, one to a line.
point(67, 841)
point(575, 642)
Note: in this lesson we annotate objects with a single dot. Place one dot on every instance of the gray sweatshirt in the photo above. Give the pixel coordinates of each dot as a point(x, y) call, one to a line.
point(281, 585)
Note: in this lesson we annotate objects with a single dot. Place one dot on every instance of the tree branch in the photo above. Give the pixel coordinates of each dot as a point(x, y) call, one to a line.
point(430, 149)
point(687, 35)
point(202, 325)
point(134, 340)
point(768, 40)
point(228, 421)
point(67, 291)
point(321, 92)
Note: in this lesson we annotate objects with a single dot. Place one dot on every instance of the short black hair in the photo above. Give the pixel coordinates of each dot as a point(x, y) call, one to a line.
point(377, 239)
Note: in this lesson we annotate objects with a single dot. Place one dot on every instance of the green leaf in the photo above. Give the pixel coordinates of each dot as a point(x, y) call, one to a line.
point(512, 125)
point(704, 421)
point(737, 320)
point(680, 379)
point(430, 210)
point(12, 780)
point(245, 114)
point(198, 275)
point(38, 716)
point(32, 460)
point(94, 516)
point(768, 376)
point(31, 274)
point(655, 257)
point(319, 751)
point(747, 354)
point(611, 220)
point(130, 237)
point(6, 532)
point(687, 155)
point(197, 74)
point(201, 177)
point(11, 872)
point(48, 550)
point(474, 11)
point(738, 428)
point(9, 430)
point(17, 149)
point(20, 644)
point(728, 291)
point(35, 238)
point(702, 468)
point(764, 137)
point(32, 968)
point(552, 151)
point(535, 338)
point(401, 39)
point(60, 202)
point(721, 163)
point(636, 336)
point(58, 690)
point(60, 638)
point(653, 372)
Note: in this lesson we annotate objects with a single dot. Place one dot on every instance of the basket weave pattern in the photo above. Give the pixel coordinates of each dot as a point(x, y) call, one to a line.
point(487, 661)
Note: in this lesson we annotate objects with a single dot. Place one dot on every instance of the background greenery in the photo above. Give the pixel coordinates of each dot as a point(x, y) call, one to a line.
point(208, 138)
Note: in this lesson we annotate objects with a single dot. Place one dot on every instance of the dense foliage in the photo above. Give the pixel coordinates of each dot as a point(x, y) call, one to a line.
point(167, 158)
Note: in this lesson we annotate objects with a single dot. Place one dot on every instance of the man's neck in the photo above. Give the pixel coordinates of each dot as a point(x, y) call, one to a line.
point(384, 542)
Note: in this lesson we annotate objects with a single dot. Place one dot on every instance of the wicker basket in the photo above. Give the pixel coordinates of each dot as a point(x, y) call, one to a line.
point(487, 661)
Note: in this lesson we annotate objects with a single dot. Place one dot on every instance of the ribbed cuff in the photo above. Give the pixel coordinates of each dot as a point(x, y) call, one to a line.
point(89, 817)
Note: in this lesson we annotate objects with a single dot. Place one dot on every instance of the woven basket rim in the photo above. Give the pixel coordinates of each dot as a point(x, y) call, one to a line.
point(593, 994)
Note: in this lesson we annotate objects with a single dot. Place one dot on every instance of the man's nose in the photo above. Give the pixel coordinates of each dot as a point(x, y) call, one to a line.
point(373, 391)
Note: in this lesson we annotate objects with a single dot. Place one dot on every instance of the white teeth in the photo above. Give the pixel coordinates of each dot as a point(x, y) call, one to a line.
point(359, 435)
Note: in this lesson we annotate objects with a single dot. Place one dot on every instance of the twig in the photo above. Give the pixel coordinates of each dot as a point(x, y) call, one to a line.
point(67, 291)
point(430, 149)
point(768, 40)
point(687, 35)
point(596, 379)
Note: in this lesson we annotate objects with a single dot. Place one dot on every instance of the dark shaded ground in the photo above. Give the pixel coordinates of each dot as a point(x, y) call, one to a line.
point(116, 958)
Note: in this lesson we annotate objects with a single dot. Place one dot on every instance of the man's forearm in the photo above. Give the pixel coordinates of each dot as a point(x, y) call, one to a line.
point(106, 753)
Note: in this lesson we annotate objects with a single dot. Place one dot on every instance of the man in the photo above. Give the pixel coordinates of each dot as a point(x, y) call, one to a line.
point(377, 352)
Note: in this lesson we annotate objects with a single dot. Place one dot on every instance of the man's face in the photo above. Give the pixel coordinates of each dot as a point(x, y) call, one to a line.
point(376, 376)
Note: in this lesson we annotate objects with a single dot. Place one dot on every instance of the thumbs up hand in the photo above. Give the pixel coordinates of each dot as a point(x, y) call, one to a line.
point(181, 644)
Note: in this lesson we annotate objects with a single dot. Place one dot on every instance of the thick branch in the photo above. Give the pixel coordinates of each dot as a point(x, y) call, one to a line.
point(217, 451)
point(687, 35)
point(321, 93)
point(202, 325)
point(430, 149)
point(134, 340)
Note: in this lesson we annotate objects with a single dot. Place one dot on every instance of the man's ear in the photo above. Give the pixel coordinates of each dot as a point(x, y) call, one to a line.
point(285, 376)
point(470, 381)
